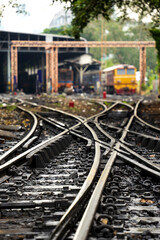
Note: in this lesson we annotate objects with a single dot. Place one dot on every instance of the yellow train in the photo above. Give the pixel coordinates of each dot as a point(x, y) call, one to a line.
point(120, 79)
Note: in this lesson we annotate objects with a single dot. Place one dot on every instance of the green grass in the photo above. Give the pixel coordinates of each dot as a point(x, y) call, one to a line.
point(61, 96)
point(8, 107)
point(57, 104)
point(11, 107)
point(108, 103)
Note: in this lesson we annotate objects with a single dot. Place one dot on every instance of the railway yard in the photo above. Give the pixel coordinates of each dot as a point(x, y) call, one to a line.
point(79, 168)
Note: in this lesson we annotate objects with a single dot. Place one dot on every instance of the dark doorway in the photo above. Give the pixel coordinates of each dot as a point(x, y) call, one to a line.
point(30, 65)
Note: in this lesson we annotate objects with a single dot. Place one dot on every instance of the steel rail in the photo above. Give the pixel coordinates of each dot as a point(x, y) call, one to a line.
point(11, 150)
point(87, 218)
point(69, 114)
point(86, 221)
point(143, 135)
point(112, 140)
point(50, 121)
point(61, 227)
point(104, 132)
point(141, 166)
point(22, 155)
point(118, 145)
point(141, 158)
point(60, 230)
point(128, 105)
point(55, 110)
point(63, 128)
point(144, 160)
point(14, 160)
point(141, 120)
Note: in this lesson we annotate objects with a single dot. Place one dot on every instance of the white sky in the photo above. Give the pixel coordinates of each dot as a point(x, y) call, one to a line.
point(40, 14)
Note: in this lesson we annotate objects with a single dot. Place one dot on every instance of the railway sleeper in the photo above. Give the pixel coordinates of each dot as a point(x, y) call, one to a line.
point(56, 203)
point(139, 166)
point(89, 141)
point(39, 158)
point(148, 142)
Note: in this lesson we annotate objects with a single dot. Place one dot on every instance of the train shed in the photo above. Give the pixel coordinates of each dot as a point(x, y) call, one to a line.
point(31, 61)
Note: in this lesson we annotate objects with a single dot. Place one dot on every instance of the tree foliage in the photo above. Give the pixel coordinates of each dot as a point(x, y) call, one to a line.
point(115, 31)
point(19, 8)
point(84, 11)
point(156, 35)
point(151, 75)
point(63, 30)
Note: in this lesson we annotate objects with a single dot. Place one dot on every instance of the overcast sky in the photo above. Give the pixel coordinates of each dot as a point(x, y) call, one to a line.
point(40, 14)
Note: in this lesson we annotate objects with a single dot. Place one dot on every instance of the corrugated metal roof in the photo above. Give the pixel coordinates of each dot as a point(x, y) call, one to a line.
point(40, 34)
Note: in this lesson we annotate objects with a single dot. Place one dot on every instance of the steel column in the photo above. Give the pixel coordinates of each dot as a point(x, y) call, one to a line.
point(142, 66)
point(9, 70)
point(56, 69)
point(47, 69)
point(14, 68)
point(52, 56)
point(52, 68)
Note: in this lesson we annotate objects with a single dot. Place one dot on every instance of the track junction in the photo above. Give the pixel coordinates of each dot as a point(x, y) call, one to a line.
point(73, 177)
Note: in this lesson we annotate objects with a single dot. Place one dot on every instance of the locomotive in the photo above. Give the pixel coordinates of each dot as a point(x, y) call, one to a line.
point(65, 80)
point(120, 79)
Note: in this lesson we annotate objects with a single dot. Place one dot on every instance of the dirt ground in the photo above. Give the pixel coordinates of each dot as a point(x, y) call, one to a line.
point(79, 107)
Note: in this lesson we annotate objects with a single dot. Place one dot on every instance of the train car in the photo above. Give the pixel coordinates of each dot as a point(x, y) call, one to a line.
point(120, 79)
point(65, 79)
point(91, 82)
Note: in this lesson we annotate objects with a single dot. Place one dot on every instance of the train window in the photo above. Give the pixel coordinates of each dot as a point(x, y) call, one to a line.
point(130, 71)
point(120, 71)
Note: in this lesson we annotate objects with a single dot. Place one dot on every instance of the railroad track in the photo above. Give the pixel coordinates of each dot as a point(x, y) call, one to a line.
point(14, 136)
point(92, 178)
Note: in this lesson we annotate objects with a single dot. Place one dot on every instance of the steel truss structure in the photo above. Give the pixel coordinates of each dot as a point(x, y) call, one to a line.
point(51, 49)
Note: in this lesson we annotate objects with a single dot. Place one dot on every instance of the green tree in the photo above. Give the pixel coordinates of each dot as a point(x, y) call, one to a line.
point(151, 75)
point(84, 11)
point(63, 30)
point(109, 63)
point(115, 31)
point(156, 35)
point(130, 31)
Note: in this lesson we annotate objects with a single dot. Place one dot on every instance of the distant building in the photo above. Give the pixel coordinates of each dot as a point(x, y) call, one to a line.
point(62, 18)
point(31, 61)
